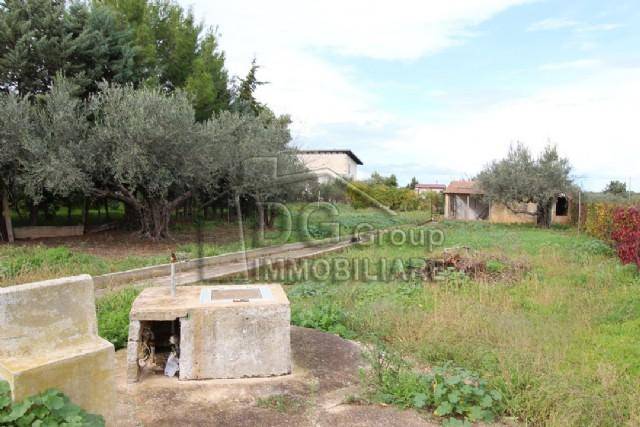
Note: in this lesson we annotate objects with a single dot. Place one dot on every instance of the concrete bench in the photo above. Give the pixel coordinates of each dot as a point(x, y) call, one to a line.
point(49, 339)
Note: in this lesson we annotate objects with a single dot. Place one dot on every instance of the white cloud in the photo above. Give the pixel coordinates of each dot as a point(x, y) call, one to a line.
point(569, 65)
point(288, 37)
point(593, 121)
point(550, 24)
point(553, 24)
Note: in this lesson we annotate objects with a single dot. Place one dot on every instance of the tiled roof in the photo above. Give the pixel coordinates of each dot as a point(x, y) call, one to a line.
point(432, 186)
point(463, 187)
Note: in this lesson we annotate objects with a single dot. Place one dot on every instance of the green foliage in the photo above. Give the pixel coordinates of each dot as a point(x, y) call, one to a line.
point(113, 316)
point(412, 184)
point(446, 390)
point(147, 142)
point(173, 51)
point(559, 344)
point(24, 261)
point(599, 220)
point(244, 100)
point(615, 187)
point(41, 38)
point(377, 179)
point(31, 49)
point(50, 408)
point(324, 316)
point(365, 194)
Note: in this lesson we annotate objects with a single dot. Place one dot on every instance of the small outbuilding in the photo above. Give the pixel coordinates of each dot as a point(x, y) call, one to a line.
point(464, 200)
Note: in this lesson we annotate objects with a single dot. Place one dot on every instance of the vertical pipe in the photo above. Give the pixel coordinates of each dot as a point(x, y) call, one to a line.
point(173, 275)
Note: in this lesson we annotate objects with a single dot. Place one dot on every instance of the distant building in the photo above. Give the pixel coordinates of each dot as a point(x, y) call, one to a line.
point(465, 200)
point(326, 163)
point(427, 188)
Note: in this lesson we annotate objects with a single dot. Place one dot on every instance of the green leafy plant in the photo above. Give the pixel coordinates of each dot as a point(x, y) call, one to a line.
point(324, 316)
point(113, 316)
point(50, 408)
point(456, 393)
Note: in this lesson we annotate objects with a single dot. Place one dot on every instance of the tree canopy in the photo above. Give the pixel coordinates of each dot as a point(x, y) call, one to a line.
point(617, 188)
point(129, 100)
point(143, 42)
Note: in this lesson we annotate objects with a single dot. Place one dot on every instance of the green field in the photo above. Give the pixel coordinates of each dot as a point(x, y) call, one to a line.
point(561, 344)
point(27, 261)
point(557, 344)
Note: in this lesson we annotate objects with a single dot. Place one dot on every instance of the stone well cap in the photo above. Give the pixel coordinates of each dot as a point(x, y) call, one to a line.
point(157, 302)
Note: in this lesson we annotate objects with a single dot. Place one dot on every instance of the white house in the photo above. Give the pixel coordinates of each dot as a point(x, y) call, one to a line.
point(327, 163)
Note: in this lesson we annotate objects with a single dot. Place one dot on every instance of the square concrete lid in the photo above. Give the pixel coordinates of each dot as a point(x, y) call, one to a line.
point(235, 293)
point(157, 303)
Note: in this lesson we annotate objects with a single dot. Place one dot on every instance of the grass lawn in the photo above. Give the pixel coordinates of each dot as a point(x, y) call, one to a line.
point(560, 345)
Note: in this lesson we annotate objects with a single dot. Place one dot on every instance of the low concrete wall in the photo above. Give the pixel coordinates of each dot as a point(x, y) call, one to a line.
point(39, 232)
point(139, 274)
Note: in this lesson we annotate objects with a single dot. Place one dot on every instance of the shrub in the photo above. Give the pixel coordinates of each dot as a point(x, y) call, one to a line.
point(448, 391)
point(626, 234)
point(599, 220)
point(50, 408)
point(325, 316)
point(398, 199)
point(113, 316)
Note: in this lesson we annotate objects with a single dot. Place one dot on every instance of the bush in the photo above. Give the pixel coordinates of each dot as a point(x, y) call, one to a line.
point(448, 391)
point(50, 408)
point(113, 316)
point(599, 220)
point(626, 234)
point(398, 199)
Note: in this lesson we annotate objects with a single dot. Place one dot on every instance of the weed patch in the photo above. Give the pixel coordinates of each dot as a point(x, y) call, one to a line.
point(113, 316)
point(456, 394)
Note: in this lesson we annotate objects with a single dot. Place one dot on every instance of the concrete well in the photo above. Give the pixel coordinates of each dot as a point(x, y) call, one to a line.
point(230, 331)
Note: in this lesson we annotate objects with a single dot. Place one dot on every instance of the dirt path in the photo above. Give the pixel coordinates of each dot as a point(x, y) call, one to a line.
point(325, 373)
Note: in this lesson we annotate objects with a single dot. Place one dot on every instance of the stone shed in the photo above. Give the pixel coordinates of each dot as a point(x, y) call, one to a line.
point(464, 200)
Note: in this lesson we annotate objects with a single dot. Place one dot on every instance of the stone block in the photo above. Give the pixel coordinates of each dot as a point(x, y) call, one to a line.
point(243, 332)
point(48, 339)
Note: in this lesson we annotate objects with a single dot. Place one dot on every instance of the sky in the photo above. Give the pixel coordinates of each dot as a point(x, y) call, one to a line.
point(437, 89)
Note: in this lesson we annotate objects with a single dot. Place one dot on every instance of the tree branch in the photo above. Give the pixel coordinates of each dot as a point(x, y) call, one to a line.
point(176, 202)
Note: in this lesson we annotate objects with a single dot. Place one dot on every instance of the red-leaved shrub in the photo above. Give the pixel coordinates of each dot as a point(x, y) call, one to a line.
point(626, 234)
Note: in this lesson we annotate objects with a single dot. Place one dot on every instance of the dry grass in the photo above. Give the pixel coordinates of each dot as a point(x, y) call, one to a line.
point(561, 342)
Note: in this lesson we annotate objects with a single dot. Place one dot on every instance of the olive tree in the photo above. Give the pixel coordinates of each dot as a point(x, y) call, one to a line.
point(41, 144)
point(147, 152)
point(520, 178)
point(14, 128)
point(254, 150)
point(55, 148)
